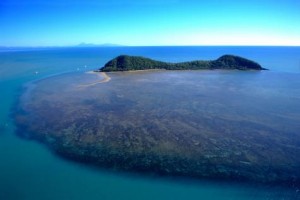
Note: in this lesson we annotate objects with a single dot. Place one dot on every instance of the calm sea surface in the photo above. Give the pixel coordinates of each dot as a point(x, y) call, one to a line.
point(28, 170)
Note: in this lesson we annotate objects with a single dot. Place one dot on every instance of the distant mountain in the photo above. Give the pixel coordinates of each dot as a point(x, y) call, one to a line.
point(97, 45)
point(126, 63)
point(12, 48)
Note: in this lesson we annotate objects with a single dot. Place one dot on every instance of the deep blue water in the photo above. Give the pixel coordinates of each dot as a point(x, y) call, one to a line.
point(29, 171)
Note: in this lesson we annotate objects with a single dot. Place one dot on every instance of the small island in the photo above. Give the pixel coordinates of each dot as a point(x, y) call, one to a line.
point(130, 63)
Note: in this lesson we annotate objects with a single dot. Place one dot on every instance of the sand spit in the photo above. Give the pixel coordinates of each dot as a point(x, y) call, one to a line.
point(104, 78)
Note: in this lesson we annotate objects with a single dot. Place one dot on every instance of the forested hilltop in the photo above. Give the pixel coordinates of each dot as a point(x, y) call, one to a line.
point(126, 63)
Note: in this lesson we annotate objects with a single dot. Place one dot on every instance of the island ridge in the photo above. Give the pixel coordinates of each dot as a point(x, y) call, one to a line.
point(128, 63)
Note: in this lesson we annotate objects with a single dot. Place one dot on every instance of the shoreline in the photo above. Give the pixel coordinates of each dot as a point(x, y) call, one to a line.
point(105, 79)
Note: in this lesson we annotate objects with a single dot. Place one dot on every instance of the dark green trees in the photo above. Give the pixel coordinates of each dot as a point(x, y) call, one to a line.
point(126, 63)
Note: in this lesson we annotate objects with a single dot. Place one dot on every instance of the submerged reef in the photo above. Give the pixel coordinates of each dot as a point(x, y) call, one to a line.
point(128, 63)
point(174, 123)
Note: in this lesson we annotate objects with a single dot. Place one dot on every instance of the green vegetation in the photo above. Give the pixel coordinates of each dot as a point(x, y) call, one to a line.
point(126, 63)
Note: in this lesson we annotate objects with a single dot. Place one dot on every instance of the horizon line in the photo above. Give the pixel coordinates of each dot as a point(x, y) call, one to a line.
point(120, 45)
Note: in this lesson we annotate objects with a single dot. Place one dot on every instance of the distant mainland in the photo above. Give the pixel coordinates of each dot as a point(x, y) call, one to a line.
point(128, 63)
point(80, 45)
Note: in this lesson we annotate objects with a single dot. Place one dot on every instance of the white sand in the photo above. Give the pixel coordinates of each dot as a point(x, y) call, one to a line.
point(100, 74)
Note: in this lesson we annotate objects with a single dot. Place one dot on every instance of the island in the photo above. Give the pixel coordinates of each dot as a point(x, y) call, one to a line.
point(216, 125)
point(129, 63)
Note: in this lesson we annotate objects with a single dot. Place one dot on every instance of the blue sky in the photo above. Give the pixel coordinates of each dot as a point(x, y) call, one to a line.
point(149, 22)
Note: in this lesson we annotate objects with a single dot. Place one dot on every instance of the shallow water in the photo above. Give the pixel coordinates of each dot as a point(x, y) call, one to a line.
point(28, 170)
point(195, 123)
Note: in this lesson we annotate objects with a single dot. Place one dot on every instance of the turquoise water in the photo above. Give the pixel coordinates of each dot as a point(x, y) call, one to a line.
point(28, 170)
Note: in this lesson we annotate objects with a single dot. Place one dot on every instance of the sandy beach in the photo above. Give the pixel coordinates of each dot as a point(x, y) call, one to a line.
point(104, 78)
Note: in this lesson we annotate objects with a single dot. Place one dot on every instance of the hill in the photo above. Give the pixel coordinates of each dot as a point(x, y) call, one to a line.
point(127, 63)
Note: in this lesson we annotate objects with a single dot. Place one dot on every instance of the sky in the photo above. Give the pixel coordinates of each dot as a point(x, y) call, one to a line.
point(149, 22)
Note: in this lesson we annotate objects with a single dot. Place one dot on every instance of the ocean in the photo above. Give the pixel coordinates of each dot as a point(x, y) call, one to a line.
point(28, 170)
